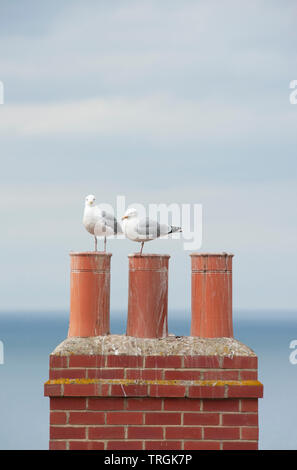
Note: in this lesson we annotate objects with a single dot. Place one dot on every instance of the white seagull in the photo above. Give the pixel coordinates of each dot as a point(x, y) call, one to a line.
point(98, 222)
point(144, 230)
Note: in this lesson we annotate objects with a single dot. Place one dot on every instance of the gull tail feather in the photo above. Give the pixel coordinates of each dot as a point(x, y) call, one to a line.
point(175, 229)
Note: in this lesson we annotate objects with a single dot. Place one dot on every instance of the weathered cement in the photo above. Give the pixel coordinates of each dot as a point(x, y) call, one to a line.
point(169, 346)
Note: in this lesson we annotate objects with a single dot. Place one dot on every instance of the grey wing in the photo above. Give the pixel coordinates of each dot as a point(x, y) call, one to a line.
point(149, 228)
point(112, 222)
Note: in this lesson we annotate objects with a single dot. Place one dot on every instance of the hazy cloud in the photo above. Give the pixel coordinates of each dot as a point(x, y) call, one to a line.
point(162, 102)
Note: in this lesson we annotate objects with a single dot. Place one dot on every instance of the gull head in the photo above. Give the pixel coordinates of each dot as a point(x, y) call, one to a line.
point(90, 199)
point(130, 213)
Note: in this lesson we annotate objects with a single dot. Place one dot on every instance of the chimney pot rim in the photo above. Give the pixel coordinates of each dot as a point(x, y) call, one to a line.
point(212, 254)
point(147, 255)
point(89, 253)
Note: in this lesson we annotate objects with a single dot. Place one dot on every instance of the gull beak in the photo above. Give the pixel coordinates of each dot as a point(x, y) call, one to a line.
point(124, 217)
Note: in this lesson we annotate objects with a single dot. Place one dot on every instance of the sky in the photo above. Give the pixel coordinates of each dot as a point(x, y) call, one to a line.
point(160, 102)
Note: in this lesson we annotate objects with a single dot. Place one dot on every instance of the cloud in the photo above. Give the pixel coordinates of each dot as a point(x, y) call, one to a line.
point(160, 117)
point(164, 102)
point(149, 47)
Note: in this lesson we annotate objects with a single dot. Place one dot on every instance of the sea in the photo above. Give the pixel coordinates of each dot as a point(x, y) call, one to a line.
point(28, 338)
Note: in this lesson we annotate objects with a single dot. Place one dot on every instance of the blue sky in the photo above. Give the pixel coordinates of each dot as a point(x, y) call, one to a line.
point(184, 102)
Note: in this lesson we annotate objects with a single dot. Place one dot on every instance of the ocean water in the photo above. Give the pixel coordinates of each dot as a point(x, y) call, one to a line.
point(28, 340)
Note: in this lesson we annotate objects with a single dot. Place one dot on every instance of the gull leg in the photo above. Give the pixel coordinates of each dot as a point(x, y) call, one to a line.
point(142, 243)
point(104, 244)
point(95, 242)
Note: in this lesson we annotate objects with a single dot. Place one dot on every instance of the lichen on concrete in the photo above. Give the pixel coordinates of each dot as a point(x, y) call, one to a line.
point(170, 346)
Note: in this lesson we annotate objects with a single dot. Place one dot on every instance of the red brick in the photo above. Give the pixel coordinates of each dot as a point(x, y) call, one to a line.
point(118, 417)
point(162, 418)
point(220, 405)
point(124, 361)
point(143, 404)
point(67, 432)
point(163, 362)
point(245, 391)
point(102, 404)
point(240, 362)
point(250, 404)
point(57, 445)
point(105, 373)
point(182, 374)
point(66, 403)
point(206, 391)
point(145, 432)
point(201, 418)
point(106, 432)
point(179, 404)
point(86, 390)
point(167, 390)
point(221, 433)
point(250, 434)
point(102, 390)
point(67, 374)
point(86, 417)
point(80, 390)
point(201, 445)
point(183, 432)
point(144, 374)
point(162, 445)
point(86, 361)
point(129, 390)
point(240, 419)
point(57, 417)
point(240, 446)
point(248, 375)
point(221, 375)
point(58, 361)
point(86, 445)
point(124, 445)
point(204, 362)
point(52, 390)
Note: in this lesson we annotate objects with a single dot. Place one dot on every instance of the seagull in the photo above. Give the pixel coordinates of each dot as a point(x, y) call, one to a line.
point(98, 222)
point(144, 230)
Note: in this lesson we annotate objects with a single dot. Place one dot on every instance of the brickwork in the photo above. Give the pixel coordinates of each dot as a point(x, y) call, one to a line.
point(153, 402)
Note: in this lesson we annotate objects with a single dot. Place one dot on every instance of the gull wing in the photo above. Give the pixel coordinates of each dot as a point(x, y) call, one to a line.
point(111, 222)
point(150, 229)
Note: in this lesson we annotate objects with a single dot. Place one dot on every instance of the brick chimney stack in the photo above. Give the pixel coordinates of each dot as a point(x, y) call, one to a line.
point(147, 390)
